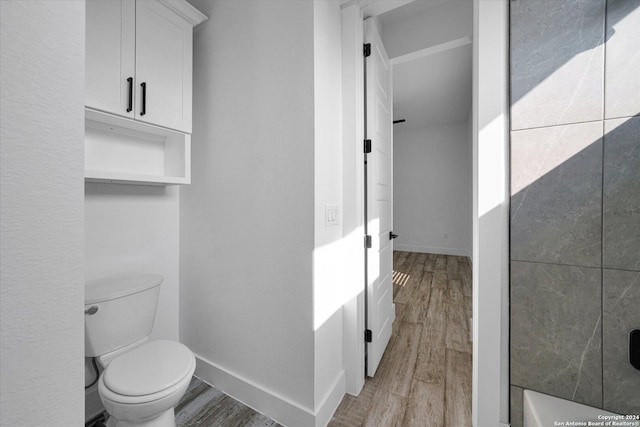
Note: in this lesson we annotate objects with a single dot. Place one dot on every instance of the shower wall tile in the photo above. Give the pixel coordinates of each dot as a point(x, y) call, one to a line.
point(622, 194)
point(621, 316)
point(516, 419)
point(622, 84)
point(556, 187)
point(575, 200)
point(557, 62)
point(556, 330)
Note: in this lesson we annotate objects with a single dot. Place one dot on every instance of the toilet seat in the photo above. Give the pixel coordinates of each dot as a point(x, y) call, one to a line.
point(146, 373)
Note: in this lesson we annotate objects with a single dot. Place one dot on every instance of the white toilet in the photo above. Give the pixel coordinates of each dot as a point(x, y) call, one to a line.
point(142, 380)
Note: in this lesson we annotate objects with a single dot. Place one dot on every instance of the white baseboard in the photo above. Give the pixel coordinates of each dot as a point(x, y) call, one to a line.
point(270, 403)
point(432, 250)
point(331, 400)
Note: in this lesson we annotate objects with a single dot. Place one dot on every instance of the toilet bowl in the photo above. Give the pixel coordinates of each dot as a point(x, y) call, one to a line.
point(142, 380)
point(141, 386)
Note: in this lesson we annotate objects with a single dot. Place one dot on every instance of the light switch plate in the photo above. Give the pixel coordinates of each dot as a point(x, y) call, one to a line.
point(332, 215)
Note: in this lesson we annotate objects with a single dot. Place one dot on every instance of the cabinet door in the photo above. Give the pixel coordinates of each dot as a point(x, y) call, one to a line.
point(164, 43)
point(110, 55)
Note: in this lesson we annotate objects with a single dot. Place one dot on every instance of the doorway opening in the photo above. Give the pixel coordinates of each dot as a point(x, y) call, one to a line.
point(430, 196)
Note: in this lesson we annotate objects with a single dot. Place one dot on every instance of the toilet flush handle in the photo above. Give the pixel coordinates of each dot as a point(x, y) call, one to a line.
point(91, 310)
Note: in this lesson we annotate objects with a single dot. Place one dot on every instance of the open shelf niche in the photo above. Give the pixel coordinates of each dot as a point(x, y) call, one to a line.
point(121, 150)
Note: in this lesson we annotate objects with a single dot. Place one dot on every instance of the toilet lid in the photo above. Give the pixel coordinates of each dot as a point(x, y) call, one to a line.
point(148, 369)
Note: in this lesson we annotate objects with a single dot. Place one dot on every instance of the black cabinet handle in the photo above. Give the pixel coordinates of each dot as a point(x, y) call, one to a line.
point(392, 236)
point(130, 107)
point(144, 98)
point(634, 348)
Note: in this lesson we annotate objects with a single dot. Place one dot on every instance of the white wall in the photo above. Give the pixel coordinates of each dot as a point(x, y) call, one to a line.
point(432, 189)
point(259, 266)
point(135, 229)
point(329, 256)
point(41, 212)
point(247, 219)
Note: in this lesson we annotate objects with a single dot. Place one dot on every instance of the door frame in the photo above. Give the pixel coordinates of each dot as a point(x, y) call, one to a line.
point(353, 344)
point(490, 112)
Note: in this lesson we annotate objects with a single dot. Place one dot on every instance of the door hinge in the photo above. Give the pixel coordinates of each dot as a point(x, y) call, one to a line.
point(366, 51)
point(367, 241)
point(367, 145)
point(368, 335)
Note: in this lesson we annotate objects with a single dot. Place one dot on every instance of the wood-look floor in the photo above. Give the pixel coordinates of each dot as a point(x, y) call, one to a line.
point(205, 406)
point(424, 378)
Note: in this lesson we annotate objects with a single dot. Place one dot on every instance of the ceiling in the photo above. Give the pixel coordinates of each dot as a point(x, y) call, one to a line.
point(413, 8)
point(434, 87)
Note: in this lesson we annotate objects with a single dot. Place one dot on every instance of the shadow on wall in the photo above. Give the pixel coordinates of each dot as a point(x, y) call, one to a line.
point(583, 21)
point(575, 200)
point(557, 60)
point(571, 314)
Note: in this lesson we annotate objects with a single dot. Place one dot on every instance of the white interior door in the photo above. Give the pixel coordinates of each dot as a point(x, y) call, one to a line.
point(379, 306)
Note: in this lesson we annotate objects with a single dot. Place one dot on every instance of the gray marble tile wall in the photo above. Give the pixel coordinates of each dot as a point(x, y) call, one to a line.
point(556, 213)
point(621, 291)
point(558, 345)
point(621, 184)
point(575, 200)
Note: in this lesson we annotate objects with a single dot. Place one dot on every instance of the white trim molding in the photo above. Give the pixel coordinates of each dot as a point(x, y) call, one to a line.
point(431, 50)
point(374, 7)
point(490, 399)
point(185, 10)
point(433, 250)
point(353, 179)
point(279, 408)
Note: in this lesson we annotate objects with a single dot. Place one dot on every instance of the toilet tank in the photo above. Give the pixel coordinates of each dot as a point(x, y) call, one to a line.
point(119, 311)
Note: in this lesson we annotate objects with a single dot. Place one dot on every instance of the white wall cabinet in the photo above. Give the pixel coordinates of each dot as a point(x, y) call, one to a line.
point(164, 50)
point(110, 55)
point(139, 56)
point(139, 59)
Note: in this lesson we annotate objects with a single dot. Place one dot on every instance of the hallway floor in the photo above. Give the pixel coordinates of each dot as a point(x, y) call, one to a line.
point(424, 378)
